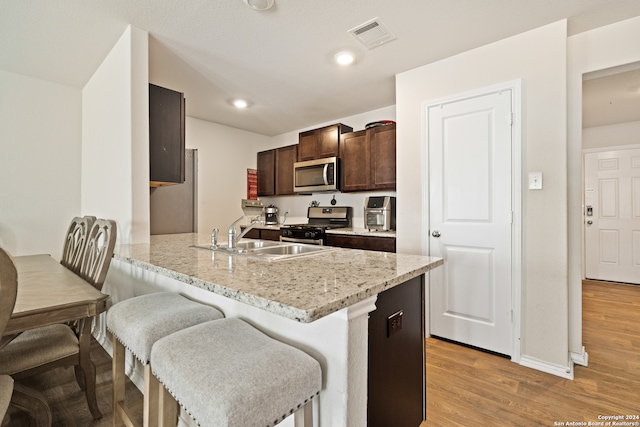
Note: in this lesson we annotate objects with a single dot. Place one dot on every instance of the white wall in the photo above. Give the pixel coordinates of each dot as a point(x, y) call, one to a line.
point(115, 139)
point(224, 155)
point(605, 47)
point(538, 57)
point(611, 135)
point(40, 138)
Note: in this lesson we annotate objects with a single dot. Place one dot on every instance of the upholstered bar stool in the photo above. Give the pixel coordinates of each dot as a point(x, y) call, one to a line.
point(136, 324)
point(226, 373)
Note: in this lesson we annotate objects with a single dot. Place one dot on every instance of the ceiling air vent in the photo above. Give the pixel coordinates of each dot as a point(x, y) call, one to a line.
point(372, 33)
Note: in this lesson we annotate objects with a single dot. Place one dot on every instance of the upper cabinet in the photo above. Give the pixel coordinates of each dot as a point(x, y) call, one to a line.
point(266, 172)
point(166, 136)
point(369, 159)
point(275, 171)
point(321, 143)
point(285, 158)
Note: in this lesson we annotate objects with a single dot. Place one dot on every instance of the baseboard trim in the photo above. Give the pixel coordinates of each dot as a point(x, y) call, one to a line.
point(550, 368)
point(581, 359)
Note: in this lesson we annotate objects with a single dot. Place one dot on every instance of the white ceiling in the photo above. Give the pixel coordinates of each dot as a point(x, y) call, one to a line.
point(214, 50)
point(611, 96)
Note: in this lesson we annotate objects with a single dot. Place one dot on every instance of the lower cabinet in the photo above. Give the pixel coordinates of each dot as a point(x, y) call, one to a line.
point(370, 243)
point(262, 234)
point(396, 380)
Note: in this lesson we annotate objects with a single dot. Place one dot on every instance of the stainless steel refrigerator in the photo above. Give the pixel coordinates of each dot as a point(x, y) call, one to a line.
point(174, 208)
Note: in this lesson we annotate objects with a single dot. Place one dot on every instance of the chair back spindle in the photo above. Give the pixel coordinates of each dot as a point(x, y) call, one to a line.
point(75, 242)
point(98, 252)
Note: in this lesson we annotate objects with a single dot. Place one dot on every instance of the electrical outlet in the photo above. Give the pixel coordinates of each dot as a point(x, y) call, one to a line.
point(394, 323)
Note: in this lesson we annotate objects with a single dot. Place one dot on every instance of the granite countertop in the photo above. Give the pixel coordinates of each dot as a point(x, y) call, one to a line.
point(303, 289)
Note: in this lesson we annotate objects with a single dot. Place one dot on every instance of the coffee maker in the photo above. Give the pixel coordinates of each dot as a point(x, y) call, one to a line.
point(271, 215)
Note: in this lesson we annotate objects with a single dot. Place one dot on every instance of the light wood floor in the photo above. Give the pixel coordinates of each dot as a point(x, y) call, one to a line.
point(465, 387)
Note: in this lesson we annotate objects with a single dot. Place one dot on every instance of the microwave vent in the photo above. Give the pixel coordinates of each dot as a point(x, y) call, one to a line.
point(372, 33)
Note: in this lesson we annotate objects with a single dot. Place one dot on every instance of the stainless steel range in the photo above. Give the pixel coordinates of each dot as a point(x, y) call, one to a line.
point(320, 219)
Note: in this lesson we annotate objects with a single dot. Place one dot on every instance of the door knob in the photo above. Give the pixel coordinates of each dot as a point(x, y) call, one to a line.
point(435, 233)
point(589, 222)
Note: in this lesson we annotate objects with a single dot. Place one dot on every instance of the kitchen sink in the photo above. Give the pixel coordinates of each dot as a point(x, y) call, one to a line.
point(254, 244)
point(269, 250)
point(290, 249)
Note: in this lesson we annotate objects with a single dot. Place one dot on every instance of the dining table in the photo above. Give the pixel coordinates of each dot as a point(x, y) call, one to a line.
point(49, 293)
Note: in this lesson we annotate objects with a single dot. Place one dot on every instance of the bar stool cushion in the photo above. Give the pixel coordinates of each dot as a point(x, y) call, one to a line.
point(141, 321)
point(227, 373)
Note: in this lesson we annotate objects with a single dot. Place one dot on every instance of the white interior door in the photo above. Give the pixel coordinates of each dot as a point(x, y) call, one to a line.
point(612, 216)
point(470, 216)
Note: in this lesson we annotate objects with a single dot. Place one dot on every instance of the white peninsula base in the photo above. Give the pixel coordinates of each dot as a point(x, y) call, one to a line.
point(338, 341)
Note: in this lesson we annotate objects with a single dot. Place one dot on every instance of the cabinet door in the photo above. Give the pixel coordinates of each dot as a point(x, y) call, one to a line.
point(383, 157)
point(370, 243)
point(266, 172)
point(285, 158)
point(396, 357)
point(306, 146)
point(270, 235)
point(355, 159)
point(327, 142)
point(166, 136)
point(321, 143)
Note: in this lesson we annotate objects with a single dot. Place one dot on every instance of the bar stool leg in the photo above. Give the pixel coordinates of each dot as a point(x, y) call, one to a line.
point(150, 402)
point(303, 417)
point(167, 408)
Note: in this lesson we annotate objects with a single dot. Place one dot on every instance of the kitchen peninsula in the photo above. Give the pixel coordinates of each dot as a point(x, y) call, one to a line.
point(320, 303)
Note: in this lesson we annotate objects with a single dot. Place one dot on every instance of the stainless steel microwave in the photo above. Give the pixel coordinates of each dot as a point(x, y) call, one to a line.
point(316, 175)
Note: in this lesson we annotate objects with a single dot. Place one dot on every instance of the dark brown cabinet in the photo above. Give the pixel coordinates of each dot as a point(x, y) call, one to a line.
point(166, 136)
point(370, 243)
point(285, 158)
point(266, 173)
point(275, 171)
point(262, 233)
point(369, 159)
point(321, 143)
point(396, 380)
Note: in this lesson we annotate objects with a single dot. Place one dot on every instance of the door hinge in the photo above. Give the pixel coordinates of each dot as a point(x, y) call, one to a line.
point(510, 118)
point(511, 315)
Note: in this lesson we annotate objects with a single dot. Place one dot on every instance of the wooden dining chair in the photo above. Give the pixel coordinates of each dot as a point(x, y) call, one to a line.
point(75, 242)
point(98, 252)
point(8, 293)
point(42, 349)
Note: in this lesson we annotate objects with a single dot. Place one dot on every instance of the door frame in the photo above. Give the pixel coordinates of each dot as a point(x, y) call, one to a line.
point(585, 151)
point(516, 193)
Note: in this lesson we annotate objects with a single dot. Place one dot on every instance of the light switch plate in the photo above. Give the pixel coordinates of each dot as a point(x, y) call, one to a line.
point(535, 180)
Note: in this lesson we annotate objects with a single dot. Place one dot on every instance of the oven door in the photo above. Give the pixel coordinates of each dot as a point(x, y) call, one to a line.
point(307, 241)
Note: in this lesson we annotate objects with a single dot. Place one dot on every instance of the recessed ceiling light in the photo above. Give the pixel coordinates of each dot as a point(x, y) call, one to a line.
point(344, 58)
point(259, 4)
point(240, 103)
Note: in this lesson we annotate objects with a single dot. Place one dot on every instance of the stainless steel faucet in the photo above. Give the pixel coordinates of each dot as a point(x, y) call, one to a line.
point(214, 238)
point(233, 237)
